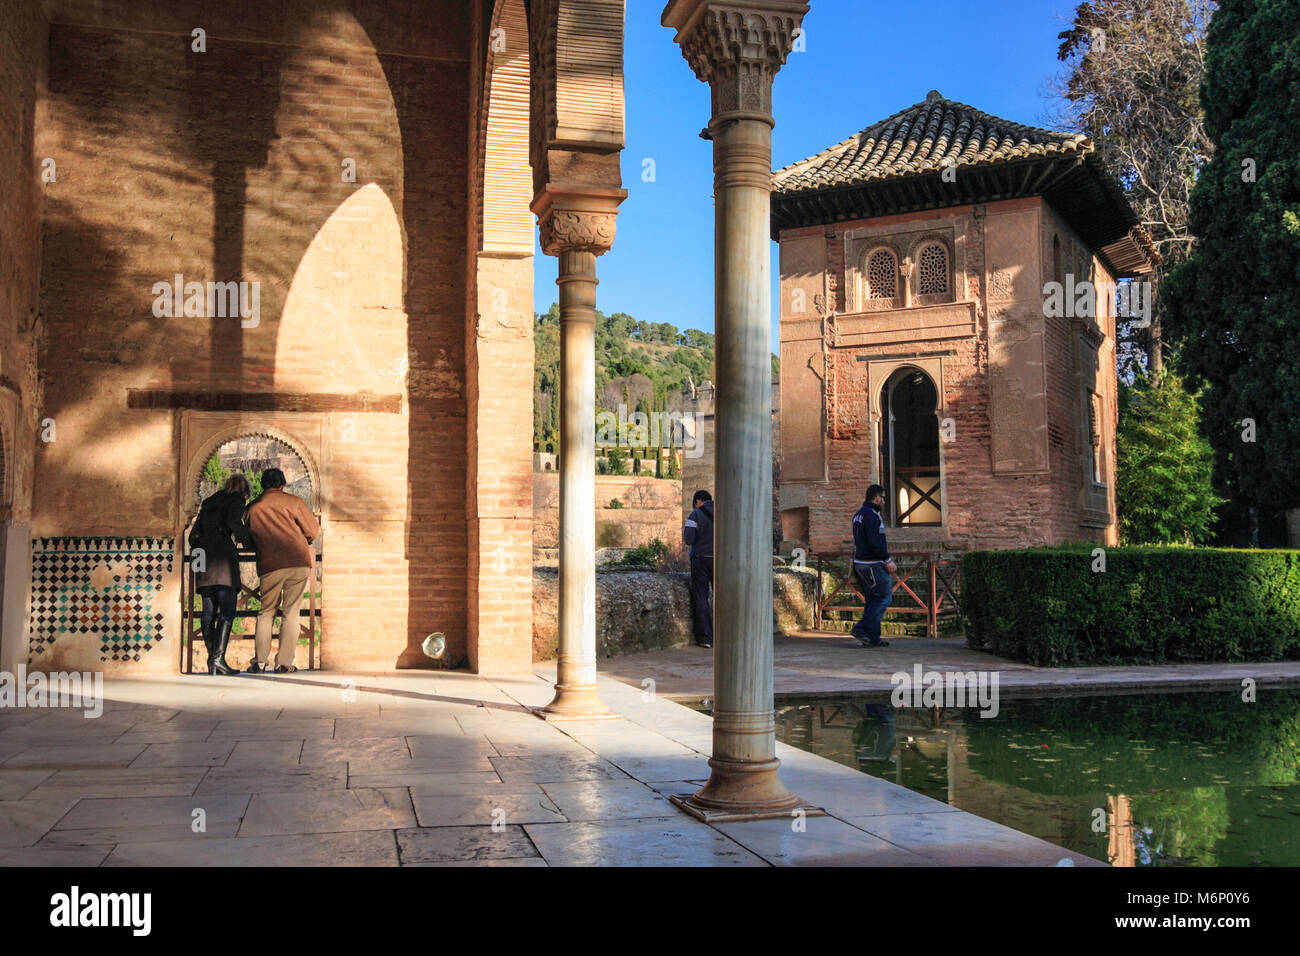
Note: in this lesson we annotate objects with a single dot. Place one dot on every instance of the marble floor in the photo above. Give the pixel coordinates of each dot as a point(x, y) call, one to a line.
point(429, 769)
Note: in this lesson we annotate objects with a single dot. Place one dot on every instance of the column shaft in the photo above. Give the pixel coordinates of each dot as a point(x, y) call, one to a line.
point(575, 691)
point(744, 763)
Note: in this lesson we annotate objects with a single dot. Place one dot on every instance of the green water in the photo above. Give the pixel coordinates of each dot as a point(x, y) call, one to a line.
point(1191, 779)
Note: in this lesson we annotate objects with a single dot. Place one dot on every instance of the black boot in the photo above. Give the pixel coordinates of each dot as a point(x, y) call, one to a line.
point(209, 641)
point(221, 639)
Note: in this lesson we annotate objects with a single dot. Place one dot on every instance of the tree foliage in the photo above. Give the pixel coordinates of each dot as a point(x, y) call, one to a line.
point(1233, 309)
point(1134, 69)
point(1165, 485)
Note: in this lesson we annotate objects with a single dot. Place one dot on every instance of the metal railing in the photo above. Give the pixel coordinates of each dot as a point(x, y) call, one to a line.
point(192, 624)
point(936, 574)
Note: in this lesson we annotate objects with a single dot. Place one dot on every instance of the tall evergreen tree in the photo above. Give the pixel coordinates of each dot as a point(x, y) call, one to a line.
point(1164, 490)
point(1234, 307)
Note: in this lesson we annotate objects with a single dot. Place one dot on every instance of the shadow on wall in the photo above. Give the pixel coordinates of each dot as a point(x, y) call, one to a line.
point(230, 173)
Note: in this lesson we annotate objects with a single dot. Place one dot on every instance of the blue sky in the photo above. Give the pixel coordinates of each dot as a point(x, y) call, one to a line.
point(865, 59)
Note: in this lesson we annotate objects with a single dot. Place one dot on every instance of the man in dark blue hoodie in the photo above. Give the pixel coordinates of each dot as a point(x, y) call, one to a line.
point(698, 536)
point(873, 567)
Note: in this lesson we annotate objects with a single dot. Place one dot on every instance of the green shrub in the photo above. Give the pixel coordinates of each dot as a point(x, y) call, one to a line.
point(615, 504)
point(651, 555)
point(1047, 606)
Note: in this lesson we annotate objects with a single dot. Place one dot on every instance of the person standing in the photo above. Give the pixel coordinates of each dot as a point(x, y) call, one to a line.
point(219, 526)
point(873, 567)
point(283, 528)
point(698, 536)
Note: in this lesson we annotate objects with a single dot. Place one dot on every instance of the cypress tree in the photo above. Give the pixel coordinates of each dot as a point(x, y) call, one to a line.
point(1233, 309)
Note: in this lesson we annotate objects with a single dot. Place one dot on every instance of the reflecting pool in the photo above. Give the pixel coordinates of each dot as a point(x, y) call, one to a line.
point(1190, 779)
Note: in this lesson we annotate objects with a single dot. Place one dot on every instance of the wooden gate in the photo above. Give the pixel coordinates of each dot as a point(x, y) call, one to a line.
point(929, 582)
point(309, 615)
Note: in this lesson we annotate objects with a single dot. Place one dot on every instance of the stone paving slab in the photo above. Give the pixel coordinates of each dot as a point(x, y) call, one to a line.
point(663, 841)
point(193, 753)
point(330, 776)
point(24, 822)
point(17, 783)
point(818, 841)
point(146, 782)
point(484, 809)
point(356, 749)
point(362, 848)
point(266, 753)
point(425, 779)
point(594, 800)
point(66, 756)
point(327, 811)
point(464, 844)
point(43, 855)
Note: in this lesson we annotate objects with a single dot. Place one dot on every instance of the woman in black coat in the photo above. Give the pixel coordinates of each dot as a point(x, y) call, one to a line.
point(219, 526)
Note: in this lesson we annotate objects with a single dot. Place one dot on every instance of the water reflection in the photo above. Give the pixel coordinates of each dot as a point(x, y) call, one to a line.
point(1195, 779)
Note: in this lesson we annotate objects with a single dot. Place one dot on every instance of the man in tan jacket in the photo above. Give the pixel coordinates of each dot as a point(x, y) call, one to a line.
point(283, 529)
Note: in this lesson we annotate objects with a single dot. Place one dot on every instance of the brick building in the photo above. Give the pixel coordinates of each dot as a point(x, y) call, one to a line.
point(367, 176)
point(922, 346)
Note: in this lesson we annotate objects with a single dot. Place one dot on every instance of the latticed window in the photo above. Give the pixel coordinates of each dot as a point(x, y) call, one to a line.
point(5, 483)
point(882, 275)
point(932, 270)
point(1094, 434)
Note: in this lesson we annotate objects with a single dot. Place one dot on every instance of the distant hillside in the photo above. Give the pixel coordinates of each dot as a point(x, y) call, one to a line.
point(645, 366)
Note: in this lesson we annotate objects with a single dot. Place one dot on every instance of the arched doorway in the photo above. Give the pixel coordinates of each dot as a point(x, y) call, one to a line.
point(910, 452)
point(249, 451)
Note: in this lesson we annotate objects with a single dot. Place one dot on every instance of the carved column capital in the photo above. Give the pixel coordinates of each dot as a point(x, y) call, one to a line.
point(737, 47)
point(577, 219)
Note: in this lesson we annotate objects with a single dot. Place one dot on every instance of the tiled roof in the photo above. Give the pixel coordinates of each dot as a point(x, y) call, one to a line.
point(923, 139)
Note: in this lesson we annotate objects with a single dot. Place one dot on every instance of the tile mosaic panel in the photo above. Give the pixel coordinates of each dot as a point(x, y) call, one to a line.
point(105, 590)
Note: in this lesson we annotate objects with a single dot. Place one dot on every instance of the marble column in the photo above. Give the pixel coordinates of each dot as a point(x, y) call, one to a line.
point(577, 226)
point(737, 48)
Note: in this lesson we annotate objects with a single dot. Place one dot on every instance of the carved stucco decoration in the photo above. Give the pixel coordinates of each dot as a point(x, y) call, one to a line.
point(569, 230)
point(737, 48)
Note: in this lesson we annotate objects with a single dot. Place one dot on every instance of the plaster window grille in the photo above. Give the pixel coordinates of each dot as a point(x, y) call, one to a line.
point(1094, 434)
point(4, 471)
point(882, 275)
point(933, 270)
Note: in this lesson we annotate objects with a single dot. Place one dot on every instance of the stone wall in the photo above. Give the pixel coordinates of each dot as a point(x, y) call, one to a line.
point(23, 98)
point(650, 509)
point(640, 611)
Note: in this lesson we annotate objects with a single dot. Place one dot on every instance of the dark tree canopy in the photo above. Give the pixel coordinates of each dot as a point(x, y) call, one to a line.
point(1232, 308)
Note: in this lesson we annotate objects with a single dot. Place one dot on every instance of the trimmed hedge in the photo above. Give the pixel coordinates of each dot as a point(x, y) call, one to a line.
point(1151, 605)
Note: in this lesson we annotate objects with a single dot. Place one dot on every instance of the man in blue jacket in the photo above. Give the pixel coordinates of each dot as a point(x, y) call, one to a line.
point(873, 567)
point(698, 536)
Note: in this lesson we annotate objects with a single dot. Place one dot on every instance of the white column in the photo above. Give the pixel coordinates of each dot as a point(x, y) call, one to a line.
point(737, 48)
point(577, 227)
